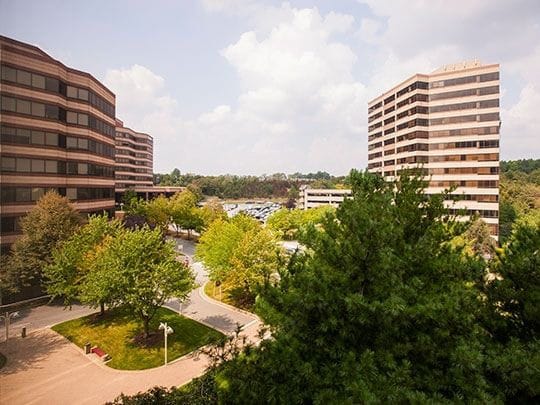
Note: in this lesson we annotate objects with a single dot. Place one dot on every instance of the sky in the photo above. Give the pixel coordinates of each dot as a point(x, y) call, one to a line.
point(260, 87)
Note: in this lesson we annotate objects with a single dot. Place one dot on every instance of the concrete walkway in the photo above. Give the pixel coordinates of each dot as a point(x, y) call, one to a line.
point(45, 368)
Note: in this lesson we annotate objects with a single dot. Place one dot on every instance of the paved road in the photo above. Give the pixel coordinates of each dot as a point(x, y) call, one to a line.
point(45, 368)
point(199, 307)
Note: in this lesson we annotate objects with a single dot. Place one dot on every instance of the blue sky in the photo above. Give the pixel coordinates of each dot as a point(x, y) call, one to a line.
point(253, 87)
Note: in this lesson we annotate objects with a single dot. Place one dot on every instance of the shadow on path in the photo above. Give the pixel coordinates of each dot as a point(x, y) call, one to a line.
point(24, 354)
point(221, 322)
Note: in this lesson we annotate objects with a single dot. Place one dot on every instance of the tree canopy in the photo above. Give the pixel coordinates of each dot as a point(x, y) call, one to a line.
point(47, 225)
point(382, 307)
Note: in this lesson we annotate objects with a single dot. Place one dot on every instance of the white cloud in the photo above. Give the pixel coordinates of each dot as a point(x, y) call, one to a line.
point(418, 36)
point(301, 105)
point(299, 96)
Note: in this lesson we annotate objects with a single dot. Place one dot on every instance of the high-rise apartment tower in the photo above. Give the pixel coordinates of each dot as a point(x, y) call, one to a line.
point(446, 122)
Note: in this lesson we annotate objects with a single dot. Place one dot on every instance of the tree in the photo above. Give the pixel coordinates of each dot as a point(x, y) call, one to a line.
point(184, 211)
point(479, 239)
point(217, 245)
point(512, 315)
point(142, 266)
point(49, 223)
point(67, 274)
point(289, 224)
point(254, 260)
point(382, 310)
point(211, 212)
point(157, 212)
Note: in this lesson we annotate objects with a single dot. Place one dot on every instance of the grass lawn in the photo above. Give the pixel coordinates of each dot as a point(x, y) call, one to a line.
point(228, 295)
point(115, 332)
point(213, 292)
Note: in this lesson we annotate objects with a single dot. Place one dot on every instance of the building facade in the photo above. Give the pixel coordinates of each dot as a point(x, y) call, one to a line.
point(315, 197)
point(134, 159)
point(57, 133)
point(447, 123)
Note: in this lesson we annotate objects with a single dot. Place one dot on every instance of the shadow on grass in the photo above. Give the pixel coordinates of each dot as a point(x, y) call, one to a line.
point(26, 353)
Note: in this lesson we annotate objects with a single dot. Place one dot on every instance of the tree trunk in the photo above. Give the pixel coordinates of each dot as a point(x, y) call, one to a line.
point(146, 322)
point(189, 234)
point(101, 309)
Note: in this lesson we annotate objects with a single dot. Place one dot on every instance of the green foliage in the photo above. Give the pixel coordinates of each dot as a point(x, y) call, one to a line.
point(211, 212)
point(512, 315)
point(157, 212)
point(141, 267)
point(277, 185)
point(521, 165)
point(67, 274)
point(115, 333)
point(382, 311)
point(290, 224)
point(519, 193)
point(240, 253)
point(48, 224)
point(200, 391)
point(478, 238)
point(184, 211)
point(382, 308)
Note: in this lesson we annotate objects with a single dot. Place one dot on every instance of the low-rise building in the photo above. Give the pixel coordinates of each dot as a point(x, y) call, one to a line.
point(315, 197)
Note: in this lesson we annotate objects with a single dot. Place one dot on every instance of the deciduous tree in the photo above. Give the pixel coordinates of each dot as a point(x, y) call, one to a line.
point(142, 266)
point(49, 223)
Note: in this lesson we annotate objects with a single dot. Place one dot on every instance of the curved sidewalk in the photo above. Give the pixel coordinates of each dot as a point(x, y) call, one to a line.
point(46, 368)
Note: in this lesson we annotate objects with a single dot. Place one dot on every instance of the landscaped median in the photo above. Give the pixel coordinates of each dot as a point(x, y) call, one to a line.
point(118, 334)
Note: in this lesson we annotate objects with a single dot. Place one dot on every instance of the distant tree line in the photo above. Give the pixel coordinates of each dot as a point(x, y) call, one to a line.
point(277, 185)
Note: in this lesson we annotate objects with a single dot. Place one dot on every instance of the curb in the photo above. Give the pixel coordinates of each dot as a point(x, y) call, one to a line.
point(224, 305)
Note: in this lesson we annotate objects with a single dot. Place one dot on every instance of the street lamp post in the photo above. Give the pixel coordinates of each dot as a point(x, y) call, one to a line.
point(167, 330)
point(7, 317)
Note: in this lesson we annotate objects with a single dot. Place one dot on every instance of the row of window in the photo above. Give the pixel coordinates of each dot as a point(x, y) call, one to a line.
point(476, 197)
point(41, 82)
point(27, 165)
point(50, 111)
point(132, 178)
point(465, 106)
point(31, 194)
point(413, 159)
point(465, 144)
point(465, 118)
point(129, 153)
point(132, 146)
point(415, 110)
point(413, 123)
point(466, 183)
point(412, 87)
point(125, 135)
point(483, 91)
point(477, 157)
point(464, 170)
point(464, 131)
point(24, 136)
point(133, 170)
point(486, 77)
point(414, 98)
point(134, 162)
point(374, 107)
point(482, 213)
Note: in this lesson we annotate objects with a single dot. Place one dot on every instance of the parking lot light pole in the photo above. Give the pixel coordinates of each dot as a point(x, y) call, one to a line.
point(167, 330)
